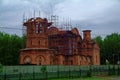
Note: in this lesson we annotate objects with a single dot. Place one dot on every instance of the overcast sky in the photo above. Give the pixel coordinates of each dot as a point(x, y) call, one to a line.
point(100, 16)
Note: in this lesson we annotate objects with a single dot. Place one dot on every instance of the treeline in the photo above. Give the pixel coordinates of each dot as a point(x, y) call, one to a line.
point(10, 46)
point(109, 48)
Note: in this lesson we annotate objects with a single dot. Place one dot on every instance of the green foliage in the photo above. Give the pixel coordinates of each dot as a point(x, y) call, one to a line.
point(89, 74)
point(10, 46)
point(1, 67)
point(43, 69)
point(109, 48)
point(107, 62)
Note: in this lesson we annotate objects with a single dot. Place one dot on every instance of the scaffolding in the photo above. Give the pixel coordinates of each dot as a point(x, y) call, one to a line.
point(65, 42)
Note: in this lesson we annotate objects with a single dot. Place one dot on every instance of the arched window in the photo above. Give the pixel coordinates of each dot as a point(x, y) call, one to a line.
point(39, 28)
point(40, 60)
point(27, 60)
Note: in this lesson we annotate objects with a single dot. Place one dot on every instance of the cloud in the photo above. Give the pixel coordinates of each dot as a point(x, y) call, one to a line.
point(11, 12)
point(101, 16)
point(82, 9)
point(98, 15)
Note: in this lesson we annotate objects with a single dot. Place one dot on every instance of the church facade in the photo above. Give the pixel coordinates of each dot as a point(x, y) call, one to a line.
point(48, 45)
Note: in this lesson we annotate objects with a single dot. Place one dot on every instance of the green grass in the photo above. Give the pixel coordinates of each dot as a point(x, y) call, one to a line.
point(91, 78)
point(84, 78)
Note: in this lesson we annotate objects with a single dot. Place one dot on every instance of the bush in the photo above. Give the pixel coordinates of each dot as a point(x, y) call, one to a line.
point(43, 69)
point(89, 73)
point(1, 67)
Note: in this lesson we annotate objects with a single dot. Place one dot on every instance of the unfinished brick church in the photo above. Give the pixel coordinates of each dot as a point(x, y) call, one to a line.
point(49, 45)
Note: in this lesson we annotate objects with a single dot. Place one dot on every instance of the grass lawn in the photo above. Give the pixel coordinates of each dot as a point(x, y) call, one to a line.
point(90, 78)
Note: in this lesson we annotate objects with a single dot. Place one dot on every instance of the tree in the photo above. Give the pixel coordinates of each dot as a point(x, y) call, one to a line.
point(10, 46)
point(109, 47)
point(100, 42)
point(112, 47)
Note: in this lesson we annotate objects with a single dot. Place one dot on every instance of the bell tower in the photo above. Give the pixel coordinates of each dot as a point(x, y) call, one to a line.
point(36, 51)
point(36, 33)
